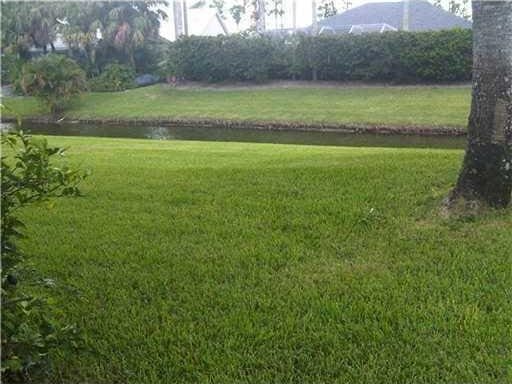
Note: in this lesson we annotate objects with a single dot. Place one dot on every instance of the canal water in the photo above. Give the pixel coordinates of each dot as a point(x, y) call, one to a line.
point(246, 135)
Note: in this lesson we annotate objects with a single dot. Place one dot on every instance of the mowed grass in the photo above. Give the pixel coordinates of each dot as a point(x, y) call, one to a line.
point(424, 106)
point(195, 262)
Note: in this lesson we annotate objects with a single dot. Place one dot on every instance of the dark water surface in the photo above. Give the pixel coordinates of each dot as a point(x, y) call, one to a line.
point(246, 135)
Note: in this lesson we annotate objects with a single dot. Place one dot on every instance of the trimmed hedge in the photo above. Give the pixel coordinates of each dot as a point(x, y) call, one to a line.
point(233, 58)
point(400, 57)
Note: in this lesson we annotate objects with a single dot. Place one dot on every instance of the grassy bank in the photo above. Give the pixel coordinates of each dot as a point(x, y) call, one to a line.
point(190, 262)
point(424, 106)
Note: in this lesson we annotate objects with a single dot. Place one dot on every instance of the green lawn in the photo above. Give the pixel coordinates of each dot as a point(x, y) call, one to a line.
point(195, 262)
point(425, 106)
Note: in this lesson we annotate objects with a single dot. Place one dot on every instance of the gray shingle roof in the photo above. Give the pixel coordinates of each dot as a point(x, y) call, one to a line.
point(423, 16)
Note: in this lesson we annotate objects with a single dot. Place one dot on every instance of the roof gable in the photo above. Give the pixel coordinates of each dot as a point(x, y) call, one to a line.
point(423, 16)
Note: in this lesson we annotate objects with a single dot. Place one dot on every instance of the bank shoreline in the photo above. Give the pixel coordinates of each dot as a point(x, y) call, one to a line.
point(347, 128)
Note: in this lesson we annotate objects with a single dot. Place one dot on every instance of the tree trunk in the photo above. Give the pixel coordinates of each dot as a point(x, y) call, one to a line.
point(486, 174)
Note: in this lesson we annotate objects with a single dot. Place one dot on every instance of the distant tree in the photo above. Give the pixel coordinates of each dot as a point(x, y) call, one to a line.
point(258, 15)
point(327, 8)
point(218, 5)
point(255, 8)
point(276, 9)
point(29, 23)
point(81, 28)
point(14, 26)
point(237, 11)
point(457, 7)
point(198, 4)
point(114, 27)
point(120, 26)
point(486, 174)
point(460, 8)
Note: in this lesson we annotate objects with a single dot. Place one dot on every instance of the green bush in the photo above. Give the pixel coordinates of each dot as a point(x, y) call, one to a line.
point(11, 68)
point(55, 79)
point(393, 56)
point(231, 58)
point(148, 56)
point(441, 56)
point(30, 329)
point(115, 77)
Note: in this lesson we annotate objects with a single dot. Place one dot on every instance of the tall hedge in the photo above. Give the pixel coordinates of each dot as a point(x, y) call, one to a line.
point(400, 57)
point(231, 58)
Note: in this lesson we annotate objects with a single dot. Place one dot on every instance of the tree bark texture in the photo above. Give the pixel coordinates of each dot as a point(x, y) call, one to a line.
point(486, 174)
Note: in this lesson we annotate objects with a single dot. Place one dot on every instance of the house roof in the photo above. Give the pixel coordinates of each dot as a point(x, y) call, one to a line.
point(356, 28)
point(365, 28)
point(214, 27)
point(423, 16)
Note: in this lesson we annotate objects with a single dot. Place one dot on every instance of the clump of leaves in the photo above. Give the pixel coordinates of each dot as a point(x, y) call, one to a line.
point(169, 65)
point(54, 79)
point(29, 331)
point(11, 70)
point(115, 77)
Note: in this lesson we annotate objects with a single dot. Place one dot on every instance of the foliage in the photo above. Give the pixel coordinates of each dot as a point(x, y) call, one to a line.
point(109, 30)
point(29, 330)
point(150, 54)
point(11, 69)
point(231, 58)
point(392, 57)
point(113, 30)
point(327, 8)
point(169, 66)
point(276, 8)
point(238, 8)
point(54, 79)
point(218, 5)
point(237, 11)
point(115, 77)
point(458, 7)
point(26, 23)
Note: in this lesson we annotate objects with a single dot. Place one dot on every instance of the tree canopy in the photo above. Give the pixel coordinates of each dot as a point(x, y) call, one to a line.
point(115, 26)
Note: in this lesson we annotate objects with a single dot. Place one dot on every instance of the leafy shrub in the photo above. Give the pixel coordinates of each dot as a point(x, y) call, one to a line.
point(29, 331)
point(11, 68)
point(55, 79)
point(168, 66)
point(391, 57)
point(115, 77)
point(148, 56)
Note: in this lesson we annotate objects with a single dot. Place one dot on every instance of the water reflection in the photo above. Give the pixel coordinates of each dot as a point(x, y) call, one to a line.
point(246, 135)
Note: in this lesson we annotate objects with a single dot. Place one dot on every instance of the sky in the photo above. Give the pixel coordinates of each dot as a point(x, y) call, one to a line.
point(199, 18)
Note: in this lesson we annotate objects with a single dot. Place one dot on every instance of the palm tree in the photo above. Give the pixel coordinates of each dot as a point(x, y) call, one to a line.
point(124, 25)
point(29, 23)
point(486, 174)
